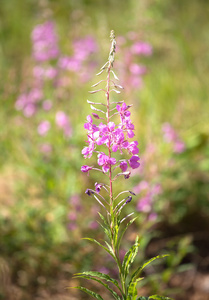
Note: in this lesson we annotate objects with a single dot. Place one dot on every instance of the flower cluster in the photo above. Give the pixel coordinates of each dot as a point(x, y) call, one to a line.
point(51, 69)
point(45, 42)
point(113, 136)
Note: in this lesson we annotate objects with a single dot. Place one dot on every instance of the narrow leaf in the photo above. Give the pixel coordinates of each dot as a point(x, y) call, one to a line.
point(132, 291)
point(107, 232)
point(89, 292)
point(106, 249)
point(157, 297)
point(130, 256)
point(97, 83)
point(115, 295)
point(110, 249)
point(94, 108)
point(114, 75)
point(124, 230)
point(95, 103)
point(93, 92)
point(116, 91)
point(138, 271)
point(101, 276)
point(100, 72)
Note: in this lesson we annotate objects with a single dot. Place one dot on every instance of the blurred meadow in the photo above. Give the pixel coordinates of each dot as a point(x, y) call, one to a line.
point(162, 60)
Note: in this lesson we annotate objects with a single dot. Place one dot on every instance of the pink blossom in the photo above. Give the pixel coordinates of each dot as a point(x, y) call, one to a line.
point(45, 42)
point(136, 69)
point(179, 146)
point(144, 204)
point(63, 122)
point(123, 166)
point(47, 105)
point(133, 161)
point(69, 63)
point(141, 48)
point(43, 127)
point(105, 161)
point(45, 148)
point(171, 136)
point(85, 168)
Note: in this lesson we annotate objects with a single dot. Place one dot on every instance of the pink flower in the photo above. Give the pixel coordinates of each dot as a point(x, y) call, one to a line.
point(136, 69)
point(47, 105)
point(63, 122)
point(105, 161)
point(45, 42)
point(123, 166)
point(86, 168)
point(141, 48)
point(46, 148)
point(133, 161)
point(43, 127)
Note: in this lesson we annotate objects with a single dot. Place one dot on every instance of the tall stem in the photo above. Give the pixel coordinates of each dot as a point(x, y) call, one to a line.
point(109, 145)
point(113, 218)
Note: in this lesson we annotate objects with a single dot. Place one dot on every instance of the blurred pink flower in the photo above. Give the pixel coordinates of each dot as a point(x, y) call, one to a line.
point(63, 122)
point(141, 48)
point(29, 110)
point(47, 105)
point(136, 69)
point(171, 136)
point(45, 42)
point(69, 63)
point(46, 148)
point(43, 127)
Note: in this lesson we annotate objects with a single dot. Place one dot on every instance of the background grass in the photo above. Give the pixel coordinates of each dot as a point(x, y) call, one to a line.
point(39, 253)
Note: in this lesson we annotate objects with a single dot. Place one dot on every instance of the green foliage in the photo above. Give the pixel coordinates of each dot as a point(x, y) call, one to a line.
point(129, 257)
point(87, 291)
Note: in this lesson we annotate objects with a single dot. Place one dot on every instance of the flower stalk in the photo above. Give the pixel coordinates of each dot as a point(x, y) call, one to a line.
point(114, 137)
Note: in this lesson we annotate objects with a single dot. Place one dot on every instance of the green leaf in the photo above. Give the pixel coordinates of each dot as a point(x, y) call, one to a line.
point(115, 295)
point(116, 229)
point(105, 227)
point(132, 291)
point(106, 230)
point(101, 276)
point(156, 297)
point(130, 256)
point(104, 220)
point(143, 298)
point(110, 249)
point(106, 249)
point(87, 291)
point(138, 271)
point(124, 230)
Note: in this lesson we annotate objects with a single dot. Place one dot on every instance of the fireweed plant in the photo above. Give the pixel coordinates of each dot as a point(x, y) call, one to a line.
point(113, 137)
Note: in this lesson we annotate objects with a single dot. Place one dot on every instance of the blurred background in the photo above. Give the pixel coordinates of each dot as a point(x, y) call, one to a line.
point(50, 52)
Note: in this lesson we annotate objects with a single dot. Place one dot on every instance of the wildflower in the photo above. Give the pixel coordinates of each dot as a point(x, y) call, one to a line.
point(133, 161)
point(172, 137)
point(105, 161)
point(43, 127)
point(123, 166)
point(45, 148)
point(63, 122)
point(141, 48)
point(89, 192)
point(98, 187)
point(86, 168)
point(45, 42)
